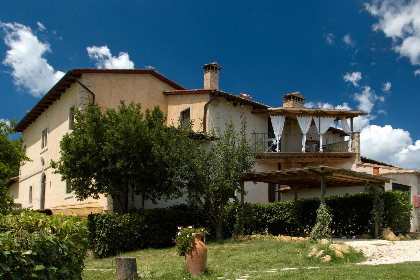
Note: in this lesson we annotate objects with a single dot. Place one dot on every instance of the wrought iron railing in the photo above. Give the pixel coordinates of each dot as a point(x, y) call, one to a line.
point(266, 142)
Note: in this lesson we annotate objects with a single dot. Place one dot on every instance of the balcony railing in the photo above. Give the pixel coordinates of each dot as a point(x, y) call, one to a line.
point(266, 143)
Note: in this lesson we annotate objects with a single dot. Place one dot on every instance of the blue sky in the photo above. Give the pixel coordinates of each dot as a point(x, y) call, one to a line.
point(340, 54)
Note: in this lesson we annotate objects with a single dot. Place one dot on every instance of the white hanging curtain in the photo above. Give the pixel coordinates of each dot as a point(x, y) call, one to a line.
point(322, 124)
point(278, 125)
point(346, 129)
point(305, 124)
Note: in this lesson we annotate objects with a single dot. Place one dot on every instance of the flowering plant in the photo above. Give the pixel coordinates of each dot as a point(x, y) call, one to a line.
point(185, 237)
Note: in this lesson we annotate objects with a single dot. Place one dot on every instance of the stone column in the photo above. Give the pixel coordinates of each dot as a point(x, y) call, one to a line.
point(356, 145)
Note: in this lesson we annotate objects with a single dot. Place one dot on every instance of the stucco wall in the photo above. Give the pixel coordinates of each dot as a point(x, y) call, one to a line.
point(181, 102)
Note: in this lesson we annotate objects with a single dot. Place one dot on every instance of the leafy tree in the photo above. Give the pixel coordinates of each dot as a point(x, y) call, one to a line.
point(213, 176)
point(122, 153)
point(11, 156)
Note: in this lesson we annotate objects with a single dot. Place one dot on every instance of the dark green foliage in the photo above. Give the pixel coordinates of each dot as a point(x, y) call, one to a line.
point(397, 212)
point(11, 155)
point(36, 246)
point(121, 153)
point(111, 234)
point(116, 233)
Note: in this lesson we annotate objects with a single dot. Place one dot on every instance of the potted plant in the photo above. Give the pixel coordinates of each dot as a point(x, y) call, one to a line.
point(189, 244)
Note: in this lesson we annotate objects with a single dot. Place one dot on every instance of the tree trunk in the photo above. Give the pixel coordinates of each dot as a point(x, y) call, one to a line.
point(219, 229)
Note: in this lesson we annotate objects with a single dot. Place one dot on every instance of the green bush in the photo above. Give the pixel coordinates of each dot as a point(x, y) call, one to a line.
point(111, 234)
point(397, 212)
point(36, 246)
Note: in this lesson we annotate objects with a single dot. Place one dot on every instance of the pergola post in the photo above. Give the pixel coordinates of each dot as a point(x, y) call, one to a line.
point(323, 189)
point(376, 219)
point(242, 204)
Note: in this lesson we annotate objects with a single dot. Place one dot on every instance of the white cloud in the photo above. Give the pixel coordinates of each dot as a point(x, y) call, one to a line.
point(25, 56)
point(386, 87)
point(41, 27)
point(329, 39)
point(417, 72)
point(400, 21)
point(6, 121)
point(390, 145)
point(348, 40)
point(367, 99)
point(105, 60)
point(354, 77)
point(149, 67)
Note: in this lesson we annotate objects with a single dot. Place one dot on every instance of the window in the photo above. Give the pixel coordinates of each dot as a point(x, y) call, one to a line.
point(71, 117)
point(68, 188)
point(44, 138)
point(30, 195)
point(185, 118)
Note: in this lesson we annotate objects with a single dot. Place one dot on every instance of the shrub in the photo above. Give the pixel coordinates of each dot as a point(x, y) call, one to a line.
point(36, 246)
point(111, 234)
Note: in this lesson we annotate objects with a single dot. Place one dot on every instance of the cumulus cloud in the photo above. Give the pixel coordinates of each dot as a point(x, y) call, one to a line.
point(367, 99)
point(329, 39)
point(348, 40)
point(105, 60)
point(390, 145)
point(400, 21)
point(386, 87)
point(417, 72)
point(354, 78)
point(30, 69)
point(6, 121)
point(41, 27)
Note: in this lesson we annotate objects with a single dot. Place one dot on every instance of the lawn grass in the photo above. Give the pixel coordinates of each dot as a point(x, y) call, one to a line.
point(262, 258)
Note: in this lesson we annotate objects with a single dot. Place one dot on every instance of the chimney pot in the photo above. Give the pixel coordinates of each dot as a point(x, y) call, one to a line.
point(376, 170)
point(211, 75)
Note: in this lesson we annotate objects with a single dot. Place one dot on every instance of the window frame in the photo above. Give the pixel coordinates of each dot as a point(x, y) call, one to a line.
point(30, 195)
point(44, 139)
point(71, 116)
point(182, 114)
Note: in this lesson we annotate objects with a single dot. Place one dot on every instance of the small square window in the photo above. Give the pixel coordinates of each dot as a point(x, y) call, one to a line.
point(71, 117)
point(44, 138)
point(185, 118)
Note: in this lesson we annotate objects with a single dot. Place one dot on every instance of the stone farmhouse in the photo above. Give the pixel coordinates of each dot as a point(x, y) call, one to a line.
point(298, 147)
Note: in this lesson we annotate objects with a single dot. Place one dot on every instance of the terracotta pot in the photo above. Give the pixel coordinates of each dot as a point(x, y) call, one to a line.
point(197, 258)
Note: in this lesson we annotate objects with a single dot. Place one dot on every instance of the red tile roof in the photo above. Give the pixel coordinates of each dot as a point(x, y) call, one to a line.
point(228, 96)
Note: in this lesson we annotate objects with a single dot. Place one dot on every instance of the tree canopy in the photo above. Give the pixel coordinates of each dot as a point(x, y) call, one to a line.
point(11, 156)
point(121, 153)
point(214, 176)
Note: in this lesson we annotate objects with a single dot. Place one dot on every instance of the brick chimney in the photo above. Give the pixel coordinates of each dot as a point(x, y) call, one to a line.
point(293, 100)
point(211, 75)
point(376, 170)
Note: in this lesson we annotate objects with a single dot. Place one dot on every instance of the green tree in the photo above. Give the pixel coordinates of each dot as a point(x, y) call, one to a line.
point(11, 156)
point(213, 176)
point(122, 153)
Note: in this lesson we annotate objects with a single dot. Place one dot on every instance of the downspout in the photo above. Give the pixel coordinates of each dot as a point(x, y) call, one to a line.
point(85, 87)
point(205, 111)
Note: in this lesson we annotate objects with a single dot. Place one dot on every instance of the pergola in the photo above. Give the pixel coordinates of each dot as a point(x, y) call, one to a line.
point(315, 177)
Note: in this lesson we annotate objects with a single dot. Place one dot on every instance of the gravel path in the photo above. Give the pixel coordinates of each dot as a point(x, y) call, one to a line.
point(384, 252)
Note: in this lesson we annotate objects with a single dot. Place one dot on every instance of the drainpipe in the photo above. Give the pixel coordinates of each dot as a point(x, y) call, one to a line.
point(85, 87)
point(205, 110)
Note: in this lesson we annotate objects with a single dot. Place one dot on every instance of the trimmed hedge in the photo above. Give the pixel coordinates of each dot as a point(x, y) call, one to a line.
point(111, 234)
point(36, 246)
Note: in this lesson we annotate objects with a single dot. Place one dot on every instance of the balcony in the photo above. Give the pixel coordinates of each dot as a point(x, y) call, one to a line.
point(335, 148)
